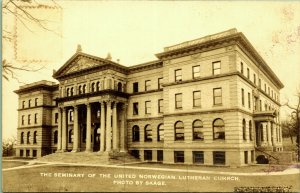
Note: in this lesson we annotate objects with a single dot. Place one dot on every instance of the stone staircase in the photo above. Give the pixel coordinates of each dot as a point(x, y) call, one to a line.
point(112, 158)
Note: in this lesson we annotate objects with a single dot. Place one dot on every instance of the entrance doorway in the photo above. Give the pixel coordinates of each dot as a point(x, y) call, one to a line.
point(96, 138)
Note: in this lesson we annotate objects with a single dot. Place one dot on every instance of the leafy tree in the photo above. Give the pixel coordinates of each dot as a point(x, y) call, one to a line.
point(8, 146)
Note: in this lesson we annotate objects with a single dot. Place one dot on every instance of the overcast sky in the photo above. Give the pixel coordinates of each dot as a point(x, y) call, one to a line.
point(134, 32)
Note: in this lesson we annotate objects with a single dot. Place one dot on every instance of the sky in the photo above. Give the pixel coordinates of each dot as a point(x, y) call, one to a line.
point(134, 31)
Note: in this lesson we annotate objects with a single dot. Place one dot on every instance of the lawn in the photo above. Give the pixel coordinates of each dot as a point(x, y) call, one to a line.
point(52, 178)
point(11, 164)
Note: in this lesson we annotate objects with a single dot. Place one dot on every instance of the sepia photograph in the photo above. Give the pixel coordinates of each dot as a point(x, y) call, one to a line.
point(150, 96)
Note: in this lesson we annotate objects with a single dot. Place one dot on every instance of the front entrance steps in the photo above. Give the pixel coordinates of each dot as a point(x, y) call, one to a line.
point(90, 158)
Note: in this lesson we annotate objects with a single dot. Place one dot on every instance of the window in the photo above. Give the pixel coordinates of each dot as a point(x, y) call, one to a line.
point(36, 102)
point(68, 92)
point(242, 68)
point(265, 88)
point(28, 137)
point(29, 103)
point(35, 118)
point(179, 156)
point(259, 83)
point(71, 114)
point(72, 91)
point(178, 101)
point(148, 133)
point(248, 73)
point(23, 117)
point(84, 89)
point(272, 93)
point(268, 90)
point(135, 153)
point(219, 157)
point(160, 155)
point(266, 107)
point(22, 138)
point(198, 157)
point(179, 131)
point(93, 87)
point(135, 108)
point(29, 120)
point(260, 105)
point(252, 156)
point(55, 137)
point(255, 103)
point(160, 132)
point(135, 133)
point(197, 130)
point(27, 152)
point(71, 136)
point(246, 157)
point(219, 129)
point(243, 97)
point(56, 117)
point(98, 86)
point(34, 136)
point(160, 105)
point(254, 79)
point(34, 153)
point(178, 75)
point(135, 87)
point(160, 83)
point(148, 155)
point(197, 98)
point(23, 104)
point(217, 96)
point(250, 131)
point(147, 107)
point(244, 129)
point(21, 153)
point(216, 67)
point(249, 100)
point(147, 85)
point(120, 87)
point(196, 71)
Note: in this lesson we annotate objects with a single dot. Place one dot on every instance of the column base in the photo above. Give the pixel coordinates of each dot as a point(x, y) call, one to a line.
point(75, 150)
point(63, 150)
point(88, 150)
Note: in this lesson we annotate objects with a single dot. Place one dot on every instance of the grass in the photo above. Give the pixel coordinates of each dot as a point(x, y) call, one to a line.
point(11, 164)
point(30, 180)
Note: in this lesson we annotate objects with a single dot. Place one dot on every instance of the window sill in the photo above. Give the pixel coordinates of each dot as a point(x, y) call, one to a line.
point(178, 109)
point(196, 107)
point(217, 105)
point(198, 140)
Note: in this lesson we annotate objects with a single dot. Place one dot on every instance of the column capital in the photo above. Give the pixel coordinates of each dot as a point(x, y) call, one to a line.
point(88, 105)
point(75, 107)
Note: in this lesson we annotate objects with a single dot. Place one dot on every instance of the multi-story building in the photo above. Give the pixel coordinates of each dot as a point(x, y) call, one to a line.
point(211, 101)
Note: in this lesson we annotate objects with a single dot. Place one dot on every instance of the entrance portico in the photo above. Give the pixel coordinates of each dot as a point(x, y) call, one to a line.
point(107, 117)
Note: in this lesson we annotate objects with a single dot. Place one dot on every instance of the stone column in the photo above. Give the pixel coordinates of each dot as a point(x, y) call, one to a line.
point(115, 128)
point(64, 130)
point(269, 133)
point(108, 126)
point(274, 135)
point(59, 130)
point(102, 127)
point(76, 130)
point(88, 128)
point(123, 128)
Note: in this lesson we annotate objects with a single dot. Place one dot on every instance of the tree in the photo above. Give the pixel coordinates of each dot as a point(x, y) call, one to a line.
point(8, 146)
point(294, 123)
point(15, 9)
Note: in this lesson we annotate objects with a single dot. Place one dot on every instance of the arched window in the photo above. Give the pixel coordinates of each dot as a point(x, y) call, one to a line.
point(120, 87)
point(55, 137)
point(80, 89)
point(244, 129)
point(179, 131)
point(250, 131)
point(160, 132)
point(34, 136)
point(219, 129)
point(72, 91)
point(28, 137)
point(197, 130)
point(98, 86)
point(22, 138)
point(93, 87)
point(68, 92)
point(135, 133)
point(84, 89)
point(71, 136)
point(148, 133)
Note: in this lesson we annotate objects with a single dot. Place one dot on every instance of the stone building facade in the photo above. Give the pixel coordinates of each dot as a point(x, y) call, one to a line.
point(211, 101)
